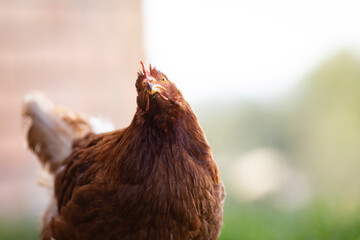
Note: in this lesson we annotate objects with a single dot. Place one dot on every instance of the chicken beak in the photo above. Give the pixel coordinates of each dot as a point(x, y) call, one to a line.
point(153, 88)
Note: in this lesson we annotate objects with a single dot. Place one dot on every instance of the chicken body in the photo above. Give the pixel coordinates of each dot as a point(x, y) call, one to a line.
point(155, 179)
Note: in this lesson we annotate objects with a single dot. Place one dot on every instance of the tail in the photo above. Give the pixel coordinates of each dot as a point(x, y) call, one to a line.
point(52, 129)
point(51, 134)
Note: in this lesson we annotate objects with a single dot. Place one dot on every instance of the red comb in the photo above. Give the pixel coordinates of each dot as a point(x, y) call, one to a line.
point(145, 70)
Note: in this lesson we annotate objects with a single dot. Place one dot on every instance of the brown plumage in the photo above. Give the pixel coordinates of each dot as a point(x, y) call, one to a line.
point(155, 179)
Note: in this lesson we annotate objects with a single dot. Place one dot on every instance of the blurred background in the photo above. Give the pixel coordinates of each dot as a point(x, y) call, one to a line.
point(275, 85)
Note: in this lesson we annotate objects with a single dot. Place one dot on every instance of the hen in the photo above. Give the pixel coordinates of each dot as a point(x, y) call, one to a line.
point(155, 179)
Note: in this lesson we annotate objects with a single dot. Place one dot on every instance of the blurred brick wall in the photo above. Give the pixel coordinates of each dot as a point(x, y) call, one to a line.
point(82, 54)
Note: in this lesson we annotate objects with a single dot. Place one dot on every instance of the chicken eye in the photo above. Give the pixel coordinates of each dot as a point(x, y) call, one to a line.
point(138, 89)
point(163, 79)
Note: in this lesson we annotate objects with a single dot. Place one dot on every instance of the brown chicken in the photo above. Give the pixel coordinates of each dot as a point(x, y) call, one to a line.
point(155, 179)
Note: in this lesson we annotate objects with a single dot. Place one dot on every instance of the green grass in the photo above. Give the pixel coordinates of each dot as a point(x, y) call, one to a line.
point(23, 229)
point(320, 220)
point(316, 221)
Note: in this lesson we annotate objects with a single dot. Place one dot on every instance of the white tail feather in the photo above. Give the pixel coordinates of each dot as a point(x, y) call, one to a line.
point(52, 129)
point(51, 134)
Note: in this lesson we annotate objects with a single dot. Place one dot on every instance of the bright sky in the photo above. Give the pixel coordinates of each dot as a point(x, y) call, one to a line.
point(257, 50)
